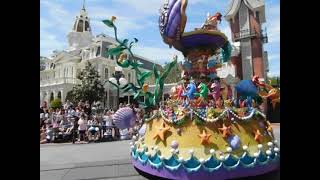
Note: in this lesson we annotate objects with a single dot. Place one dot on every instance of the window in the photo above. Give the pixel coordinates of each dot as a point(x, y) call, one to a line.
point(87, 27)
point(106, 73)
point(98, 51)
point(64, 72)
point(75, 25)
point(67, 73)
point(129, 77)
point(80, 26)
point(71, 71)
point(257, 16)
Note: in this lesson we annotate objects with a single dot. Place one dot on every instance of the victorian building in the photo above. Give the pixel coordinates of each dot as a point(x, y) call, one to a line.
point(60, 71)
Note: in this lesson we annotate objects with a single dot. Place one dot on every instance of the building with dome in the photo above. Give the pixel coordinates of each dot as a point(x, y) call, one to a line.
point(58, 72)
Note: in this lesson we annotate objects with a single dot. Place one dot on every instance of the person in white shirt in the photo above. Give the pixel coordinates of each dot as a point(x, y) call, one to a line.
point(94, 129)
point(82, 127)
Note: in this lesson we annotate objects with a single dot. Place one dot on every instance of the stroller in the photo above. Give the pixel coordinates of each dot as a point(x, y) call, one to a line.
point(107, 135)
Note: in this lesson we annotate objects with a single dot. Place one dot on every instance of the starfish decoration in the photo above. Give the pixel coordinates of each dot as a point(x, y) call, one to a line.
point(205, 137)
point(226, 130)
point(258, 136)
point(161, 131)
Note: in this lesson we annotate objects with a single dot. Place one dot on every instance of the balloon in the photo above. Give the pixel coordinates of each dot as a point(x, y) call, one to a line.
point(124, 118)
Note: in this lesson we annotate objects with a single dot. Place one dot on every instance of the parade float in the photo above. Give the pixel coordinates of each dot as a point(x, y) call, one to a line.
point(201, 131)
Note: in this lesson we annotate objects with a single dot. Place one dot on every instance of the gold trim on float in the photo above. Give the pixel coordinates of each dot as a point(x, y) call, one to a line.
point(203, 31)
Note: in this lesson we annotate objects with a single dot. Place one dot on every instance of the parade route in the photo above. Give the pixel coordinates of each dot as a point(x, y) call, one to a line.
point(108, 160)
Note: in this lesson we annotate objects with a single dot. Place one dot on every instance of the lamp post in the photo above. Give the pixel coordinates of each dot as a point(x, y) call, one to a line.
point(118, 80)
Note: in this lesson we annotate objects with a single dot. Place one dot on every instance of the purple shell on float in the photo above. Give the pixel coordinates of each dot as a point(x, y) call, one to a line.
point(174, 144)
point(143, 130)
point(124, 118)
point(234, 142)
point(170, 18)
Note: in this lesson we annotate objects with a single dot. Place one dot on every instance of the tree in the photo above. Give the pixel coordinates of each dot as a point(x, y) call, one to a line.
point(274, 81)
point(43, 63)
point(90, 89)
point(174, 75)
point(56, 103)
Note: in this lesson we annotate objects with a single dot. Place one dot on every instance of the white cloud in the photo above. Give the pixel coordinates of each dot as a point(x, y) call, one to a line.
point(273, 22)
point(274, 57)
point(274, 70)
point(148, 7)
point(157, 54)
point(49, 42)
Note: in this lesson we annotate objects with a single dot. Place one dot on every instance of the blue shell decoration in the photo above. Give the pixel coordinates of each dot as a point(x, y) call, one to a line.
point(262, 158)
point(247, 161)
point(142, 157)
point(212, 164)
point(234, 141)
point(172, 163)
point(124, 118)
point(155, 161)
point(192, 165)
point(231, 162)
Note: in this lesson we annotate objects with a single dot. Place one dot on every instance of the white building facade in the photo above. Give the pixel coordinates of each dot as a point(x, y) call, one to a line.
point(59, 75)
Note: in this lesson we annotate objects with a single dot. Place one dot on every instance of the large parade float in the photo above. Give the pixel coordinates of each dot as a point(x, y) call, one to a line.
point(201, 131)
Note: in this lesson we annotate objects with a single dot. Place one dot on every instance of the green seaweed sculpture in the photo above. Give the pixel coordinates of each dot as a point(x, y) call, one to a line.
point(152, 100)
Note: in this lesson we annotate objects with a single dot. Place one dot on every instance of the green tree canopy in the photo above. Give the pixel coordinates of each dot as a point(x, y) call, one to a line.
point(274, 81)
point(90, 89)
point(56, 103)
point(174, 75)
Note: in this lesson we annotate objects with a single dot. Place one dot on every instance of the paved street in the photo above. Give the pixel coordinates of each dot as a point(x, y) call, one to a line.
point(108, 160)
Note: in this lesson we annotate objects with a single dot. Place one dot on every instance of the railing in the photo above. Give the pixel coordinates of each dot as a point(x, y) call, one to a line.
point(56, 81)
point(250, 33)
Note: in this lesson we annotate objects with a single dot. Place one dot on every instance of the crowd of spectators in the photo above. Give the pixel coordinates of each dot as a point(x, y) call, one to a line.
point(83, 123)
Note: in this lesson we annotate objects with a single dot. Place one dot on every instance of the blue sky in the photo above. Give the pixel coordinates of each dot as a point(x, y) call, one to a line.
point(139, 18)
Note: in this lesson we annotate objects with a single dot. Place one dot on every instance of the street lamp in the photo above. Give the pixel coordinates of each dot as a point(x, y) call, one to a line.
point(118, 80)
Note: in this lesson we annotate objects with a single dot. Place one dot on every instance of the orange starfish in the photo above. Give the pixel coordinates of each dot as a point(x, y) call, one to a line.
point(226, 130)
point(204, 137)
point(161, 131)
point(258, 136)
